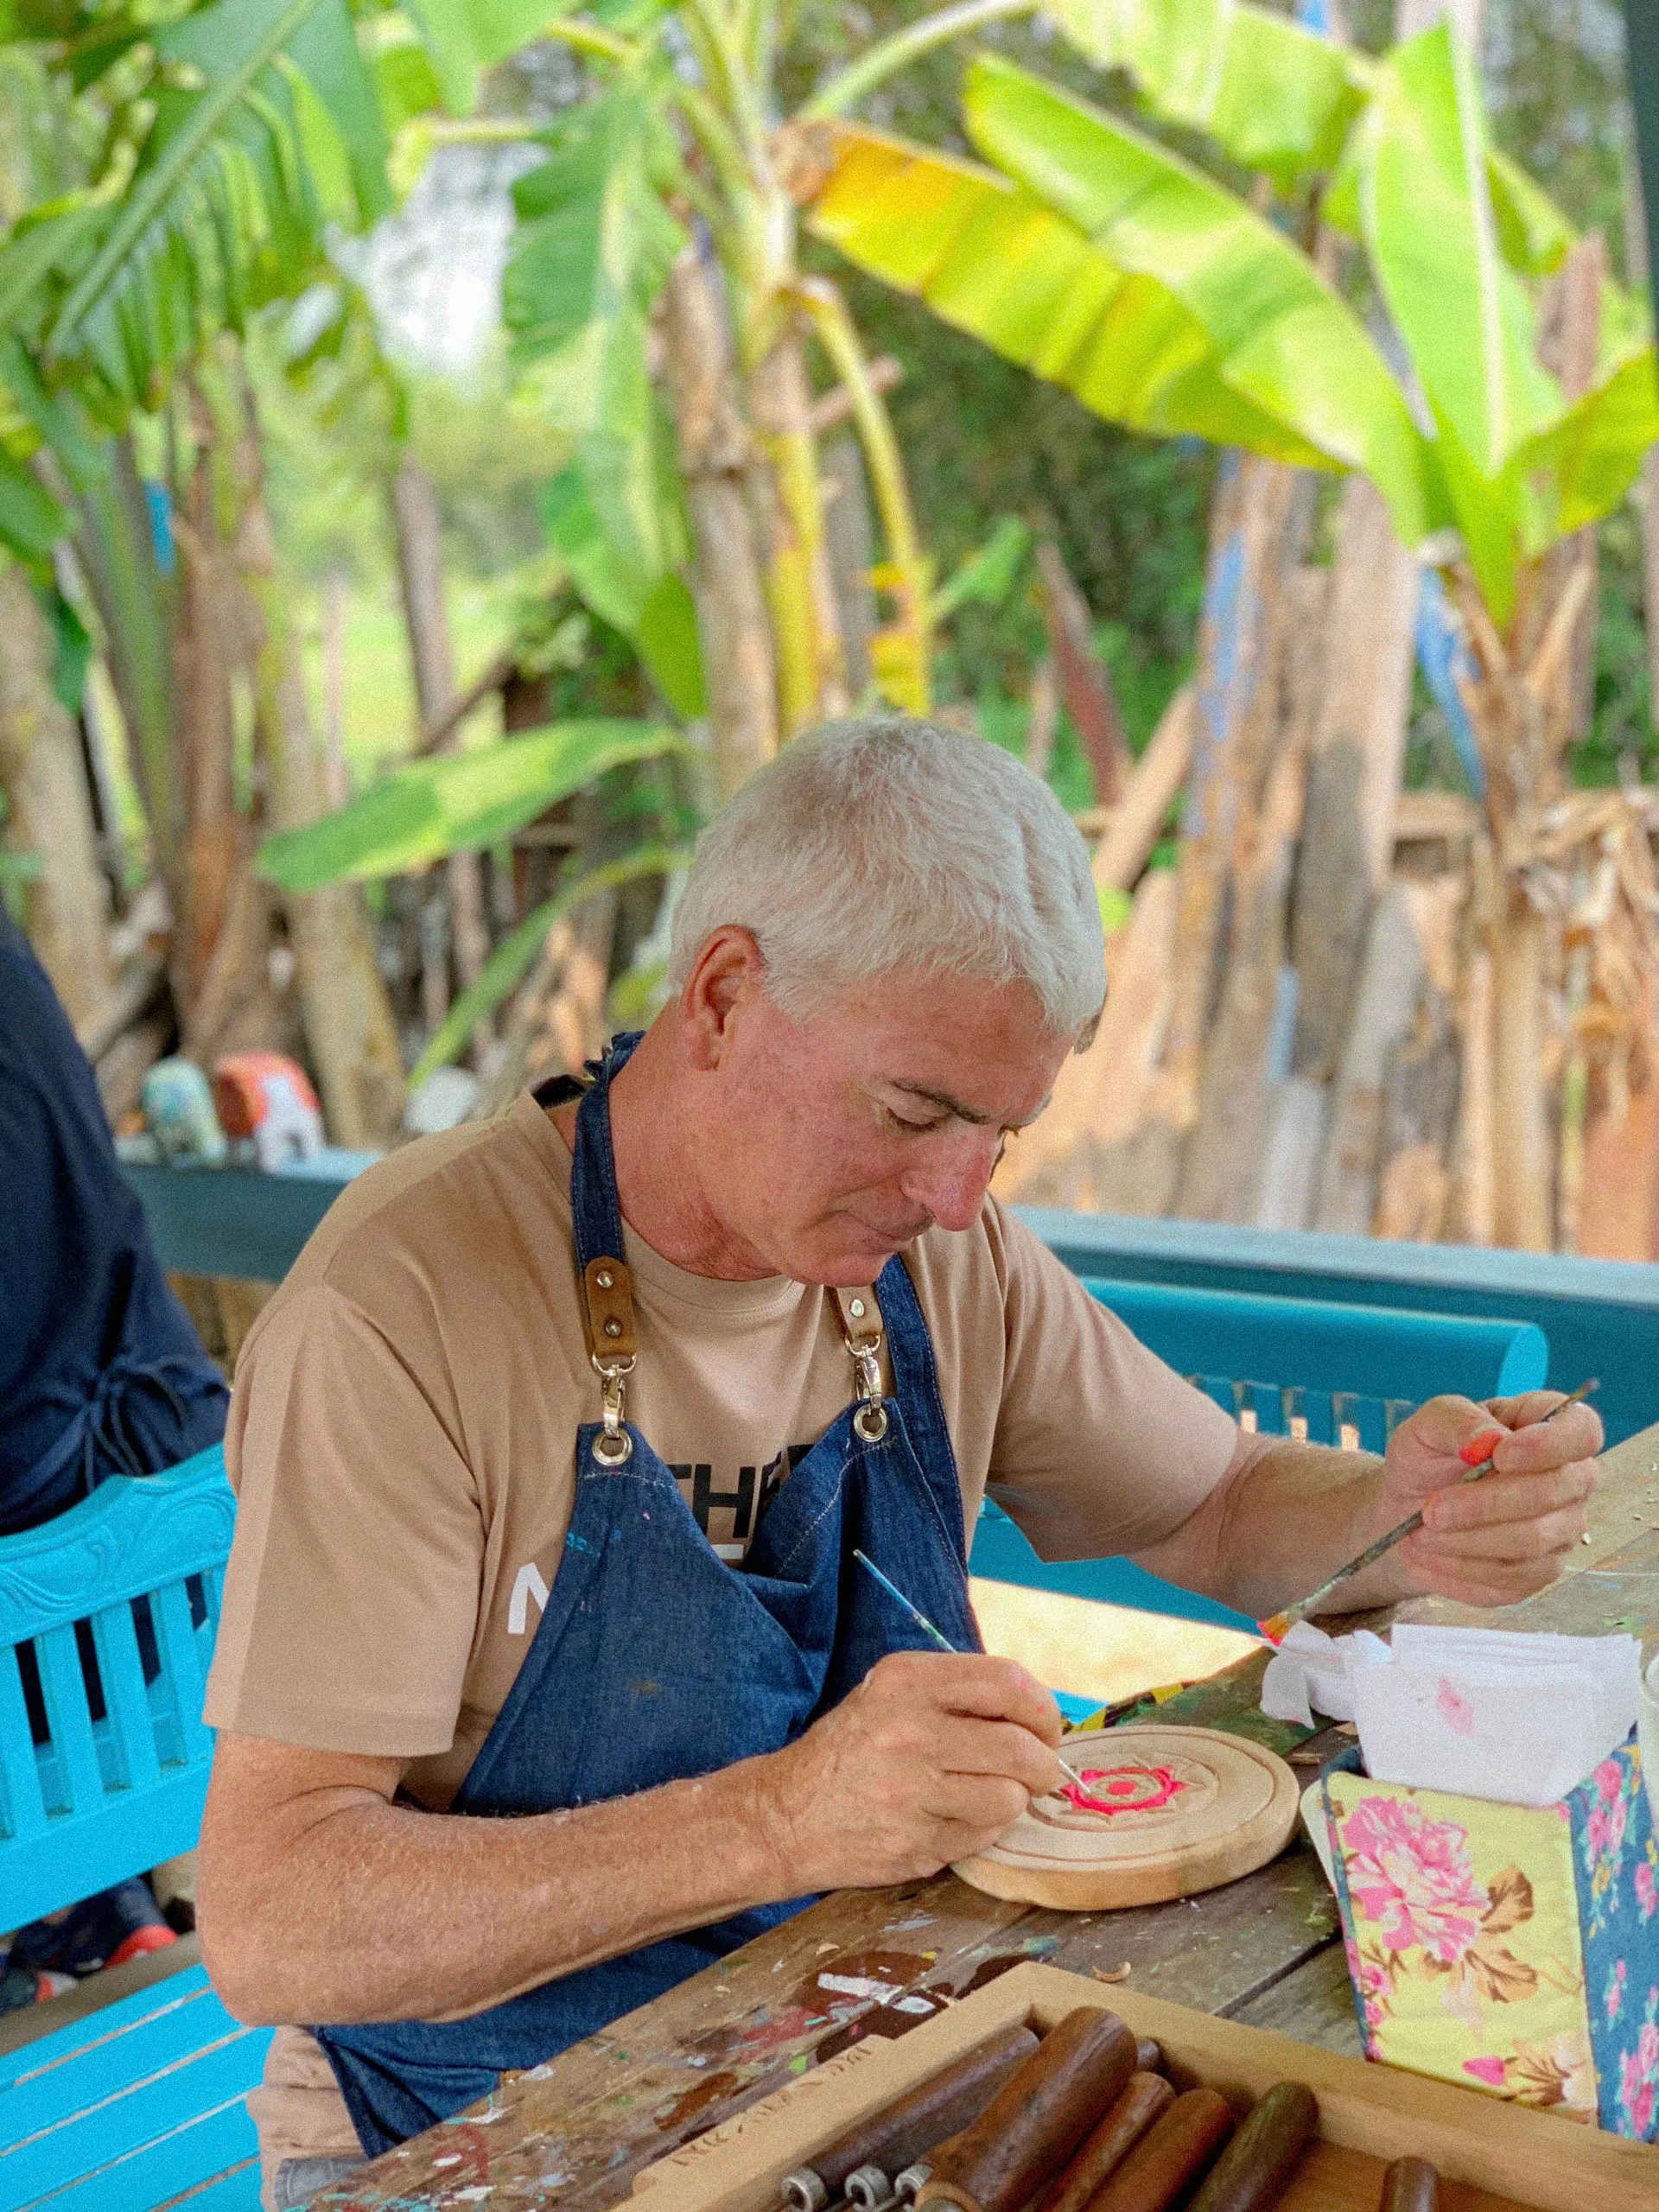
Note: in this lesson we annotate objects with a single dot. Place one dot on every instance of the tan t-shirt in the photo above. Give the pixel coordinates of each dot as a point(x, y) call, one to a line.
point(402, 1440)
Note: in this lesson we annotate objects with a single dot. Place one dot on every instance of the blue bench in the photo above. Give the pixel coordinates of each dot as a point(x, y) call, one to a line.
point(1286, 1366)
point(141, 2103)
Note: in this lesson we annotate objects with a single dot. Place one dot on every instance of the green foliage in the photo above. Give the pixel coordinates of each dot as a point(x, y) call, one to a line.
point(17, 871)
point(458, 803)
point(510, 961)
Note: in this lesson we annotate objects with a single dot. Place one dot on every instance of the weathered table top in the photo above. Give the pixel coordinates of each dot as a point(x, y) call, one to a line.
point(573, 2133)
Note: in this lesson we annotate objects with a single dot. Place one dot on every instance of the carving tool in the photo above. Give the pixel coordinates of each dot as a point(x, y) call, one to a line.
point(1410, 2185)
point(1037, 2119)
point(915, 1612)
point(1275, 1628)
point(1162, 2170)
point(855, 2169)
point(1253, 2171)
point(1106, 2145)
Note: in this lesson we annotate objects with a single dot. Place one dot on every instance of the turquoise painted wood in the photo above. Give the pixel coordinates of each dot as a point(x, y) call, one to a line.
point(142, 2103)
point(1288, 1366)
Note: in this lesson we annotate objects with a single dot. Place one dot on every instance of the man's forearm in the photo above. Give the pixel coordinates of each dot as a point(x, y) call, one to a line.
point(339, 1906)
point(1288, 1520)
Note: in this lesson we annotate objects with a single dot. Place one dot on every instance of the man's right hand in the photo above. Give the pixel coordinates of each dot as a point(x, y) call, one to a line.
point(927, 1761)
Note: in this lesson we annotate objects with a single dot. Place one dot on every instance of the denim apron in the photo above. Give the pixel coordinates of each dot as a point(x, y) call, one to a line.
point(655, 1661)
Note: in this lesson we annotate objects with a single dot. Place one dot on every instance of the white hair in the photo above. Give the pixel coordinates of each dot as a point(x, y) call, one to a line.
point(889, 843)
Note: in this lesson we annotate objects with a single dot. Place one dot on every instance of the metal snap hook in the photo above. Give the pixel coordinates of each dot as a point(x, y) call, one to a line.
point(870, 1422)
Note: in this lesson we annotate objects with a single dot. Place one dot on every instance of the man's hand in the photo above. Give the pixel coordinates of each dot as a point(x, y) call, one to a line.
point(928, 1760)
point(1496, 1540)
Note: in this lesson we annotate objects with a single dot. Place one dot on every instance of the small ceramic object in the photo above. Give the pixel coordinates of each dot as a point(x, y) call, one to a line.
point(268, 1097)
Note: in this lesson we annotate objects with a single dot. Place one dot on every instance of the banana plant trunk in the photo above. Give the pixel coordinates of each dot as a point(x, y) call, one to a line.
point(720, 464)
point(420, 575)
point(349, 1025)
point(49, 809)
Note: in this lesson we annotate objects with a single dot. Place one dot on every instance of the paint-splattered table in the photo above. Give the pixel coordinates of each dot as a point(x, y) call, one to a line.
point(573, 2133)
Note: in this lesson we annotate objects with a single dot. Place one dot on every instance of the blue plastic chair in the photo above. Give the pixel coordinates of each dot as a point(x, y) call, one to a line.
point(142, 2102)
point(1286, 1366)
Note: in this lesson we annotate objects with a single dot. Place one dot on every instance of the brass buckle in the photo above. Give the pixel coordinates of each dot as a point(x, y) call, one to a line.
point(612, 1447)
point(870, 1422)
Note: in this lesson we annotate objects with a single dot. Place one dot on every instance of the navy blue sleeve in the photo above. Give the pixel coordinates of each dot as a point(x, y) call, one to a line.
point(80, 1285)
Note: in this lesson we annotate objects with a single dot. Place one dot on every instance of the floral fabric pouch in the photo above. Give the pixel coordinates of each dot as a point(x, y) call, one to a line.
point(1506, 1948)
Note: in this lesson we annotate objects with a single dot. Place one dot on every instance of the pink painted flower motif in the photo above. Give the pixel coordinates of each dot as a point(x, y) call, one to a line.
point(1413, 1878)
point(1638, 2076)
point(1613, 1996)
point(1647, 1889)
point(1489, 2071)
point(1609, 1779)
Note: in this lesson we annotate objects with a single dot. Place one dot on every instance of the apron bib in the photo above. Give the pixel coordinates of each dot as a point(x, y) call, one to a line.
point(655, 1661)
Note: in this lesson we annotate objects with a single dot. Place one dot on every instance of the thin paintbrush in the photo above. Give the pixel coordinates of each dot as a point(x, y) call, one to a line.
point(1275, 1629)
point(893, 1591)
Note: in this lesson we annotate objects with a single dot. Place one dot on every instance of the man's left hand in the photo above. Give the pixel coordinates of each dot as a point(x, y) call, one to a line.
point(1499, 1540)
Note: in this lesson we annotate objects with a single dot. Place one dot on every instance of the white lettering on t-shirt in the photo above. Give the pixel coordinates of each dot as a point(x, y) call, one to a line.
point(526, 1584)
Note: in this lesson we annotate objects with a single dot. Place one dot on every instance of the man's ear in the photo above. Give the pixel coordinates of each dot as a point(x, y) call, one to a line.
point(727, 973)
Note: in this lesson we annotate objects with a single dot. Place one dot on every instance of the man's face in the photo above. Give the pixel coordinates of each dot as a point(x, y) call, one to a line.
point(833, 1141)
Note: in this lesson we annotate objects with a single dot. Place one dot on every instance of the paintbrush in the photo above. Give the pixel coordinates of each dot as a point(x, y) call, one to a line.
point(1275, 1628)
point(915, 1611)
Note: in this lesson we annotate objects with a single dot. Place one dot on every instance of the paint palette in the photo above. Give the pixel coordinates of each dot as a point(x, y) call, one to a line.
point(1148, 1814)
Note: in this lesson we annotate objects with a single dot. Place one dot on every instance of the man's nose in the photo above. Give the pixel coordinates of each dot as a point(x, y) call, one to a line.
point(951, 1182)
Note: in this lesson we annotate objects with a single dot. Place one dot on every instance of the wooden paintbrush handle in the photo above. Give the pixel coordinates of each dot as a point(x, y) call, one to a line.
point(1037, 2118)
point(926, 2115)
point(1253, 2171)
point(1106, 2145)
point(1166, 2164)
point(1410, 2185)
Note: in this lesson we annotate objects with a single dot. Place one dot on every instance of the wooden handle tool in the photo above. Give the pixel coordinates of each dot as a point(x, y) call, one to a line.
point(883, 2141)
point(1148, 2056)
point(1166, 2164)
point(1410, 2185)
point(1037, 2118)
point(1106, 2145)
point(1253, 2171)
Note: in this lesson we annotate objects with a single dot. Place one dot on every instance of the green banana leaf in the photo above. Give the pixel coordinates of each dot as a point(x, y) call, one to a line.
point(510, 963)
point(1281, 337)
point(590, 252)
point(1465, 315)
point(613, 514)
point(216, 158)
point(31, 521)
point(459, 803)
point(1274, 97)
point(991, 260)
point(465, 37)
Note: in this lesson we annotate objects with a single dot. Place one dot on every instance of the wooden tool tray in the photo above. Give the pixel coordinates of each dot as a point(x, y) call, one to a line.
point(1492, 2156)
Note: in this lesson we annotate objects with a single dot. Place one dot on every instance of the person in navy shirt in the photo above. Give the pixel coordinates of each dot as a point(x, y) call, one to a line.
point(101, 1373)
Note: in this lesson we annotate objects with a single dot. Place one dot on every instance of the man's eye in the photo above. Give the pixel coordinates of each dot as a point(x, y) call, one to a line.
point(914, 1129)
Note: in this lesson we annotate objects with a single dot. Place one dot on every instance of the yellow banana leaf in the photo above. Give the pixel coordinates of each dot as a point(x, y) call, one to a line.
point(990, 258)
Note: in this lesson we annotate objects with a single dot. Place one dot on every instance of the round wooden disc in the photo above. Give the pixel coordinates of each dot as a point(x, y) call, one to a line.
point(1192, 1809)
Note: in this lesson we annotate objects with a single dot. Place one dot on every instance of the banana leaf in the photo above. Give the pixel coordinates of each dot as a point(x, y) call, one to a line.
point(464, 36)
point(31, 521)
point(426, 809)
point(590, 252)
point(1465, 315)
point(1281, 337)
point(510, 963)
point(188, 188)
point(1273, 95)
point(991, 260)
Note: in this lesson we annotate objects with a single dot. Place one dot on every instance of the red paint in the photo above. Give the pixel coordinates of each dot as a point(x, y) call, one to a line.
point(1123, 1782)
point(1476, 1454)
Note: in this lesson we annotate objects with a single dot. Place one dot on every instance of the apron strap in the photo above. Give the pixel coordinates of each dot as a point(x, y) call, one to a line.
point(607, 1315)
point(860, 1327)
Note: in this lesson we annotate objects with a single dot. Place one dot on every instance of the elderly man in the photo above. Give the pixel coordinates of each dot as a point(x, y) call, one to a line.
point(555, 1448)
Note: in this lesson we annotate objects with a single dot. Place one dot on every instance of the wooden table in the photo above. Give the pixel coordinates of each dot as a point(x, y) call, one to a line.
point(573, 2133)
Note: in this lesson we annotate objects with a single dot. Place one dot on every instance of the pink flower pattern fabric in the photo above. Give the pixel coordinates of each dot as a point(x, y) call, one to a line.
point(1511, 1949)
point(1415, 1877)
